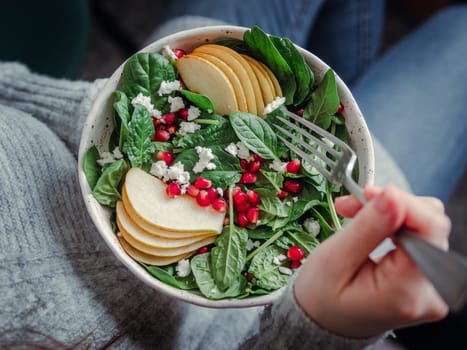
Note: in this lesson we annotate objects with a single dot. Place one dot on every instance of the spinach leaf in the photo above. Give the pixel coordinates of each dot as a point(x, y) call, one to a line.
point(92, 170)
point(308, 198)
point(303, 75)
point(234, 44)
point(201, 268)
point(163, 275)
point(267, 275)
point(270, 179)
point(228, 257)
point(138, 146)
point(324, 102)
point(262, 48)
point(271, 204)
point(261, 232)
point(303, 239)
point(107, 189)
point(122, 108)
point(201, 101)
point(255, 133)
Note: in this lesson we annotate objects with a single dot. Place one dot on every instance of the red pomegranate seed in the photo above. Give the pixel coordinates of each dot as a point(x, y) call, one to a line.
point(258, 158)
point(242, 207)
point(254, 166)
point(242, 220)
point(179, 53)
point(252, 215)
point(183, 113)
point(282, 194)
point(156, 122)
point(219, 205)
point(295, 264)
point(299, 112)
point(243, 164)
point(172, 129)
point(192, 190)
point(212, 193)
point(173, 190)
point(170, 118)
point(239, 197)
point(161, 135)
point(248, 178)
point(340, 109)
point(203, 199)
point(203, 250)
point(295, 253)
point(293, 166)
point(167, 157)
point(202, 183)
point(292, 186)
point(253, 197)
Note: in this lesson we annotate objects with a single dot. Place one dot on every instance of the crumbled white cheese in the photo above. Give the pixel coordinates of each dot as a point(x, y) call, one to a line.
point(159, 169)
point(176, 103)
point(285, 270)
point(277, 260)
point(145, 101)
point(288, 203)
point(295, 199)
point(177, 173)
point(278, 101)
point(188, 127)
point(232, 149)
point(204, 162)
point(250, 244)
point(168, 53)
point(242, 151)
point(109, 157)
point(328, 142)
point(167, 87)
point(278, 166)
point(117, 154)
point(311, 226)
point(220, 190)
point(193, 113)
point(183, 268)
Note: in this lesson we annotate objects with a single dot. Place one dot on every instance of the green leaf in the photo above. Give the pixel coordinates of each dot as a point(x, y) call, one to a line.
point(122, 108)
point(308, 198)
point(228, 257)
point(201, 101)
point(267, 275)
point(201, 268)
point(302, 238)
point(268, 179)
point(163, 275)
point(92, 170)
point(255, 133)
point(234, 44)
point(262, 48)
point(138, 146)
point(108, 187)
point(271, 204)
point(324, 102)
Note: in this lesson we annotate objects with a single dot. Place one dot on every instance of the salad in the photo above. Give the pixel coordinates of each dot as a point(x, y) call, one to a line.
point(202, 193)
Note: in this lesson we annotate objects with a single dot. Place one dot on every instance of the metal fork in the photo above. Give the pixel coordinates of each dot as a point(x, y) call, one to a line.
point(446, 270)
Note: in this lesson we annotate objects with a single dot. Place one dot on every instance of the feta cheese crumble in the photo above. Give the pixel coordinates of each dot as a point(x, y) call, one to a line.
point(242, 151)
point(204, 162)
point(277, 260)
point(159, 169)
point(176, 103)
point(278, 166)
point(177, 173)
point(285, 270)
point(311, 226)
point(167, 87)
point(232, 149)
point(168, 53)
point(188, 128)
point(250, 244)
point(193, 113)
point(110, 157)
point(145, 101)
point(183, 268)
point(278, 101)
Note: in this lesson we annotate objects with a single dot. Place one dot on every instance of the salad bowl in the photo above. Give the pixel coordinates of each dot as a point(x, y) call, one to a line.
point(98, 130)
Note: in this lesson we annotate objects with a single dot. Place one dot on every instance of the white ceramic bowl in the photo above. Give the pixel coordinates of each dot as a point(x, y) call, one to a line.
point(99, 125)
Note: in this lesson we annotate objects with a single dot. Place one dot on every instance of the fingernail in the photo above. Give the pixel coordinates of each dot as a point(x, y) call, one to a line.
point(342, 198)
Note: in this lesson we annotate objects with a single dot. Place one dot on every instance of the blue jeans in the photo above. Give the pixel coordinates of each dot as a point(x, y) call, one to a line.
point(413, 98)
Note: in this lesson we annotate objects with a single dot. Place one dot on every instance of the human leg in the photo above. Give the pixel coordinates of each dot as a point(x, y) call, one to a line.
point(414, 102)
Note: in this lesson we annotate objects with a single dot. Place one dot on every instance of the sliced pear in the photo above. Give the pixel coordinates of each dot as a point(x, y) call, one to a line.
point(275, 82)
point(241, 68)
point(126, 224)
point(147, 258)
point(146, 195)
point(230, 74)
point(201, 76)
point(265, 82)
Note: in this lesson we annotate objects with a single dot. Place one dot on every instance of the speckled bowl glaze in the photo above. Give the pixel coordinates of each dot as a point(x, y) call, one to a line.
point(99, 125)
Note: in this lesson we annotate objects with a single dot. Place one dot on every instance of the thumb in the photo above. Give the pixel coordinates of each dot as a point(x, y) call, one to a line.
point(379, 219)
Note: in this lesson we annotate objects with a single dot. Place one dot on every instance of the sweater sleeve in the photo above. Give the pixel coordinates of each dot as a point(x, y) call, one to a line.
point(60, 104)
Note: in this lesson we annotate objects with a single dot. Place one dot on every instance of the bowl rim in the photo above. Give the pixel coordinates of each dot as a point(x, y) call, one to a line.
point(96, 210)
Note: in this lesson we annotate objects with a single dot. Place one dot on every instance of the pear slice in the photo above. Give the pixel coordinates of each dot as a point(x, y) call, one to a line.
point(275, 82)
point(147, 258)
point(230, 74)
point(201, 76)
point(126, 224)
point(241, 68)
point(146, 196)
point(267, 87)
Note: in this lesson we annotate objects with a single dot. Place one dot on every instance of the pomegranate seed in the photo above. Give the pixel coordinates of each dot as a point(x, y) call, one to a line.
point(172, 129)
point(249, 276)
point(239, 197)
point(183, 113)
point(161, 135)
point(299, 112)
point(295, 253)
point(219, 205)
point(242, 220)
point(167, 157)
point(252, 215)
point(295, 264)
point(253, 197)
point(170, 118)
point(179, 53)
point(173, 190)
point(340, 109)
point(293, 166)
point(242, 207)
point(248, 178)
point(202, 183)
point(156, 122)
point(192, 190)
point(282, 194)
point(292, 186)
point(203, 250)
point(212, 193)
point(258, 158)
point(203, 199)
point(254, 166)
point(243, 164)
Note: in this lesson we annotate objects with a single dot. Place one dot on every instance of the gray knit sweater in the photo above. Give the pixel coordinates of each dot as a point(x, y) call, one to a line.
point(60, 285)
